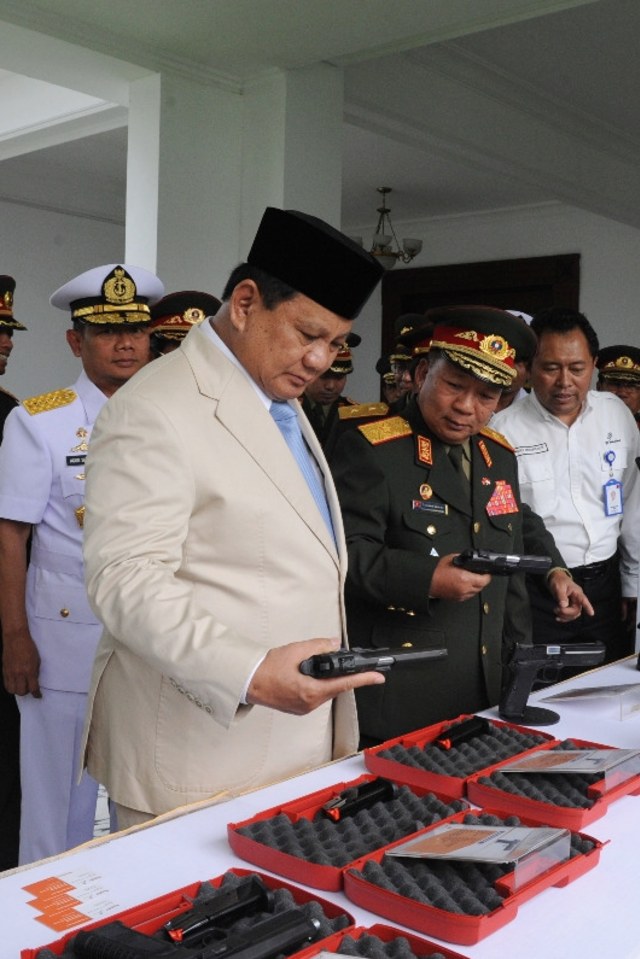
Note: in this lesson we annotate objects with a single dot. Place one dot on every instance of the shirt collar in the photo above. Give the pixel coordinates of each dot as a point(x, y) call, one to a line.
point(550, 418)
point(210, 333)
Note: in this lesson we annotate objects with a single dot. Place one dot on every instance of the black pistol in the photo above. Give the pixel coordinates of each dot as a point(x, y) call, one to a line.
point(500, 564)
point(222, 908)
point(344, 662)
point(527, 662)
point(280, 933)
point(354, 798)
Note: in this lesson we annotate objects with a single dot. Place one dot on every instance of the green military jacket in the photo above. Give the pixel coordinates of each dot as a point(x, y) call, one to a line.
point(405, 507)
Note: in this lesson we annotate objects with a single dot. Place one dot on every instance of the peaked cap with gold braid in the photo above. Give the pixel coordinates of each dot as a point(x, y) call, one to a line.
point(110, 295)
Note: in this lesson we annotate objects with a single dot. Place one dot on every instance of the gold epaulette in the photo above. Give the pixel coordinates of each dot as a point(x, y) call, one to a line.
point(49, 401)
point(497, 438)
point(382, 431)
point(357, 410)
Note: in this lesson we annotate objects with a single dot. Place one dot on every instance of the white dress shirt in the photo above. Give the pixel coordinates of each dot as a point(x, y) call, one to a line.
point(562, 471)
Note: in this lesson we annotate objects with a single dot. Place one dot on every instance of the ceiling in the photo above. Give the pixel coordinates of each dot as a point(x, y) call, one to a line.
point(459, 105)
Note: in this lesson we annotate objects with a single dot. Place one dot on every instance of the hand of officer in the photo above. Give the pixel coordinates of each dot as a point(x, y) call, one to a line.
point(454, 582)
point(279, 684)
point(570, 598)
point(21, 664)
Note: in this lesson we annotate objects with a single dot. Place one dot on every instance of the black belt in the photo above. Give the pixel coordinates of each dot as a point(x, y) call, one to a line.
point(593, 570)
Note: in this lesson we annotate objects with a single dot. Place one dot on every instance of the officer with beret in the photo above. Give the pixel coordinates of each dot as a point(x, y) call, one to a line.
point(50, 631)
point(416, 490)
point(173, 316)
point(619, 372)
point(215, 557)
point(9, 715)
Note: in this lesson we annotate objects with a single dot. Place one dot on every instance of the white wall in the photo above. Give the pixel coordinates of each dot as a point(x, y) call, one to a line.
point(42, 250)
point(609, 268)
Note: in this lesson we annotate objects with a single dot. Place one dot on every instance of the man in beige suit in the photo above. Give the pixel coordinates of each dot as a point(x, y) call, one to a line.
point(208, 560)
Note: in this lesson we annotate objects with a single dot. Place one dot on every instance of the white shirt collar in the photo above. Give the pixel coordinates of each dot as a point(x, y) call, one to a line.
point(210, 333)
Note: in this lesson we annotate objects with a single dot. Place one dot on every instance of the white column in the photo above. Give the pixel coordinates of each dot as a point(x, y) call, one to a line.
point(292, 153)
point(204, 162)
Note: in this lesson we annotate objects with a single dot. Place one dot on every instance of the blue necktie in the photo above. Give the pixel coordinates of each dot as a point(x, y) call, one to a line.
point(287, 422)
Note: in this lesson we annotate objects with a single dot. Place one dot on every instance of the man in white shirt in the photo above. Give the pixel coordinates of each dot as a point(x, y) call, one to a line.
point(576, 452)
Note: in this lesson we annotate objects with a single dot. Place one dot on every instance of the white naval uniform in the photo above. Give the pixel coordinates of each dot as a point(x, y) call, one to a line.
point(42, 483)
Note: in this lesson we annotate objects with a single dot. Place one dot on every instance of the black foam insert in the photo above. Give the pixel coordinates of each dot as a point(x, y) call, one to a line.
point(464, 888)
point(498, 743)
point(282, 900)
point(371, 947)
point(324, 842)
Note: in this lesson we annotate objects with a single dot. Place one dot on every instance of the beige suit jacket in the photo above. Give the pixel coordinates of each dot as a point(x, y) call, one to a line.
point(203, 549)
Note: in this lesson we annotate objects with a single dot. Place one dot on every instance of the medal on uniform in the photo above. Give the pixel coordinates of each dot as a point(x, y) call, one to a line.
point(612, 489)
point(78, 454)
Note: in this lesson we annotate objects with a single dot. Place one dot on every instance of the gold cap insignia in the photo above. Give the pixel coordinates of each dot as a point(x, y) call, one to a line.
point(118, 288)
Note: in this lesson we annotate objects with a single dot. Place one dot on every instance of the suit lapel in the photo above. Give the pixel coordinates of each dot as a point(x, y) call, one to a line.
point(240, 411)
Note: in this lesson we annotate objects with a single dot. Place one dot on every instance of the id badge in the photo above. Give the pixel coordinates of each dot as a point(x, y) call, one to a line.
point(612, 490)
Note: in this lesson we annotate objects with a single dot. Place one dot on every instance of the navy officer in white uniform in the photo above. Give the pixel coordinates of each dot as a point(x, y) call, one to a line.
point(50, 632)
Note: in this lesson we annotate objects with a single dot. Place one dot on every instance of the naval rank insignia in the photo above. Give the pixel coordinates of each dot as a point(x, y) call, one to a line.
point(48, 401)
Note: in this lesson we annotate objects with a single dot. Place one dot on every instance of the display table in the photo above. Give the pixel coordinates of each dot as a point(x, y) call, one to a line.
point(596, 916)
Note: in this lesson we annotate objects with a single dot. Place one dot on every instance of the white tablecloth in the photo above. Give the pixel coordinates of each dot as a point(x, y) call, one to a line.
point(595, 917)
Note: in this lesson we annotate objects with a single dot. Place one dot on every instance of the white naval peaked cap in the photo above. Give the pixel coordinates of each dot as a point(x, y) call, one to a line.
point(110, 294)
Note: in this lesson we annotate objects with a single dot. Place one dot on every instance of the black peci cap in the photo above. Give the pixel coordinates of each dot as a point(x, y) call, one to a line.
point(316, 260)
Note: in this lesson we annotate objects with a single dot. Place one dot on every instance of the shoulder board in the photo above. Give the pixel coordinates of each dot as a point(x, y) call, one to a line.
point(362, 409)
point(382, 431)
point(48, 401)
point(497, 438)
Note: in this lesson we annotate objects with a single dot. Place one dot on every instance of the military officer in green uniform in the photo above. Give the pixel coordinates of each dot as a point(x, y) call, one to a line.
point(415, 491)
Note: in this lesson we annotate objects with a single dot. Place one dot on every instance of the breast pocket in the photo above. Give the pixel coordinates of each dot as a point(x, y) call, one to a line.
point(614, 460)
point(422, 527)
point(535, 469)
point(72, 484)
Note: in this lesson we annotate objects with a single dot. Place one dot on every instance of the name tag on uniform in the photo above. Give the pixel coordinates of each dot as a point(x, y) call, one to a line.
point(430, 506)
point(78, 460)
point(612, 490)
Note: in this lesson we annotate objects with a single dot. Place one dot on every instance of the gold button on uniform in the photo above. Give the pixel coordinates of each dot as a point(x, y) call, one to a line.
point(485, 607)
point(64, 613)
point(476, 527)
point(431, 530)
point(483, 650)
